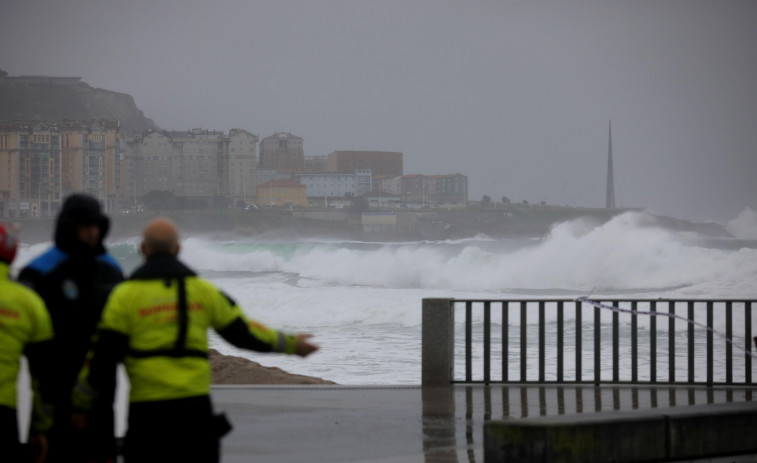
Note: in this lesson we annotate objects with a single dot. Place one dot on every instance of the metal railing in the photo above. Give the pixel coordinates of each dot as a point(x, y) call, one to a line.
point(588, 344)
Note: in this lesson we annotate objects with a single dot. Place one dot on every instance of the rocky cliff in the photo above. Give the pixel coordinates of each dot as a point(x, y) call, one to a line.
point(54, 99)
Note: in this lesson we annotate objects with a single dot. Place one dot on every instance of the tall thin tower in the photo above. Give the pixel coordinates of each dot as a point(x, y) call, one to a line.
point(610, 201)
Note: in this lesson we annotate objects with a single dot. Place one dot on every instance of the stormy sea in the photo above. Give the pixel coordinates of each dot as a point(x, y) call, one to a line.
point(362, 300)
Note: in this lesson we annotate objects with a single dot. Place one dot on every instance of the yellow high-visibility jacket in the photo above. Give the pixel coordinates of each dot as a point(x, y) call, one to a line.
point(157, 324)
point(25, 325)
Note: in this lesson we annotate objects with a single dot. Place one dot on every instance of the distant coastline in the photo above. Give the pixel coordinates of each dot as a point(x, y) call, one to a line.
point(427, 225)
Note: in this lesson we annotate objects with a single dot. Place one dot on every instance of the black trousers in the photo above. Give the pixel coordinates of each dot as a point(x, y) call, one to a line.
point(172, 430)
point(11, 448)
point(96, 443)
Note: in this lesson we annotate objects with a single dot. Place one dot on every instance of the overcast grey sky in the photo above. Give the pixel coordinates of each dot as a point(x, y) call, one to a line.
point(515, 95)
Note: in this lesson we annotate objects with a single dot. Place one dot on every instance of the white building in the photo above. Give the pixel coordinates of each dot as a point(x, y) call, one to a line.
point(336, 185)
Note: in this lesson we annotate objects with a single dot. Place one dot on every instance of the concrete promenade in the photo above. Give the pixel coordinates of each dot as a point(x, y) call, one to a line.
point(393, 424)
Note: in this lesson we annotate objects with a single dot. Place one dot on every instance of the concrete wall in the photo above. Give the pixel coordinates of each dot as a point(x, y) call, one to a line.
point(437, 346)
point(693, 432)
point(334, 216)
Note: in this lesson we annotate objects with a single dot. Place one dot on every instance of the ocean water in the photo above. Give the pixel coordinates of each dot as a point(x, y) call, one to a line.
point(362, 300)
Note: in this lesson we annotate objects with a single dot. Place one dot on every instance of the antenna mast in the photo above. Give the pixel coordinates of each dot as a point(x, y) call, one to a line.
point(610, 200)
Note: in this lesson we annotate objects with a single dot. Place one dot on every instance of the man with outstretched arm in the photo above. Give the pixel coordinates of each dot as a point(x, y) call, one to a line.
point(156, 323)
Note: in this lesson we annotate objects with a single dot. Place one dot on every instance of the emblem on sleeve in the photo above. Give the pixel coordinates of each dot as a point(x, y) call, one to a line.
point(70, 290)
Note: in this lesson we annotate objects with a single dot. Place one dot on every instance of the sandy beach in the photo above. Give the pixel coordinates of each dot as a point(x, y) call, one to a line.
point(228, 369)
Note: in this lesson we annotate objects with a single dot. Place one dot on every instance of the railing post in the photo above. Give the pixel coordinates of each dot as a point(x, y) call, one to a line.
point(437, 349)
point(748, 334)
point(487, 341)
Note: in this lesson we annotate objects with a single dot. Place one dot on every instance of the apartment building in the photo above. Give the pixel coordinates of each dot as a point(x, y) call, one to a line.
point(200, 165)
point(91, 159)
point(148, 164)
point(283, 152)
point(379, 162)
point(9, 163)
point(414, 187)
point(242, 163)
point(195, 163)
point(316, 164)
point(450, 188)
point(42, 162)
point(389, 184)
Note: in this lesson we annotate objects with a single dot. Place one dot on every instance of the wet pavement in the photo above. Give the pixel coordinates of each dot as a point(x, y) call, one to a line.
point(392, 424)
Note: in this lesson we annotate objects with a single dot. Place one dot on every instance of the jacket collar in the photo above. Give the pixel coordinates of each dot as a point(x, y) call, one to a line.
point(162, 266)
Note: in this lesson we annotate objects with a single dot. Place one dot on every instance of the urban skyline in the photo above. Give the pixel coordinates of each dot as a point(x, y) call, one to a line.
point(43, 161)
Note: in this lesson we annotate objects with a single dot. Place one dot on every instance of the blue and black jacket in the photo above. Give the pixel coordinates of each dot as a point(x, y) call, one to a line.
point(74, 281)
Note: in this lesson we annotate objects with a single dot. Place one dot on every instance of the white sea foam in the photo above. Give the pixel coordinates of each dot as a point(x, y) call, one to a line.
point(363, 300)
point(624, 254)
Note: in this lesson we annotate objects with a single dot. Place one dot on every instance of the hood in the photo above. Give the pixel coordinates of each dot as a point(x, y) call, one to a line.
point(80, 209)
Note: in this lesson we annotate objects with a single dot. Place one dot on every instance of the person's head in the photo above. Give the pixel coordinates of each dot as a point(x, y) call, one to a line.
point(8, 242)
point(81, 225)
point(160, 236)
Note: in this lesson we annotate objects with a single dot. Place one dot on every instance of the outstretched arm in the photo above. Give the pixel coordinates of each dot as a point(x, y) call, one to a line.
point(257, 337)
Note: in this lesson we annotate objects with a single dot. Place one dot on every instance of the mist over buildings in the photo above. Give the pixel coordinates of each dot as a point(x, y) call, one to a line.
point(515, 95)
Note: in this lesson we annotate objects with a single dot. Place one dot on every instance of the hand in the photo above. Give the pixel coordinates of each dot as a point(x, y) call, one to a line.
point(79, 420)
point(304, 347)
point(37, 448)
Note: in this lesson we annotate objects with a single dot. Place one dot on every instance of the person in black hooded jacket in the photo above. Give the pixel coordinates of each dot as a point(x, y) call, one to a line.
point(74, 278)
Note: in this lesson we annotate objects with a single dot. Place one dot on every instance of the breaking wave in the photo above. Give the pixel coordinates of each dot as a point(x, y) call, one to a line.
point(623, 254)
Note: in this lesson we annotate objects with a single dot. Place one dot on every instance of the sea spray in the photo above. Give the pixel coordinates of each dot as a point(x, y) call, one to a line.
point(744, 226)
